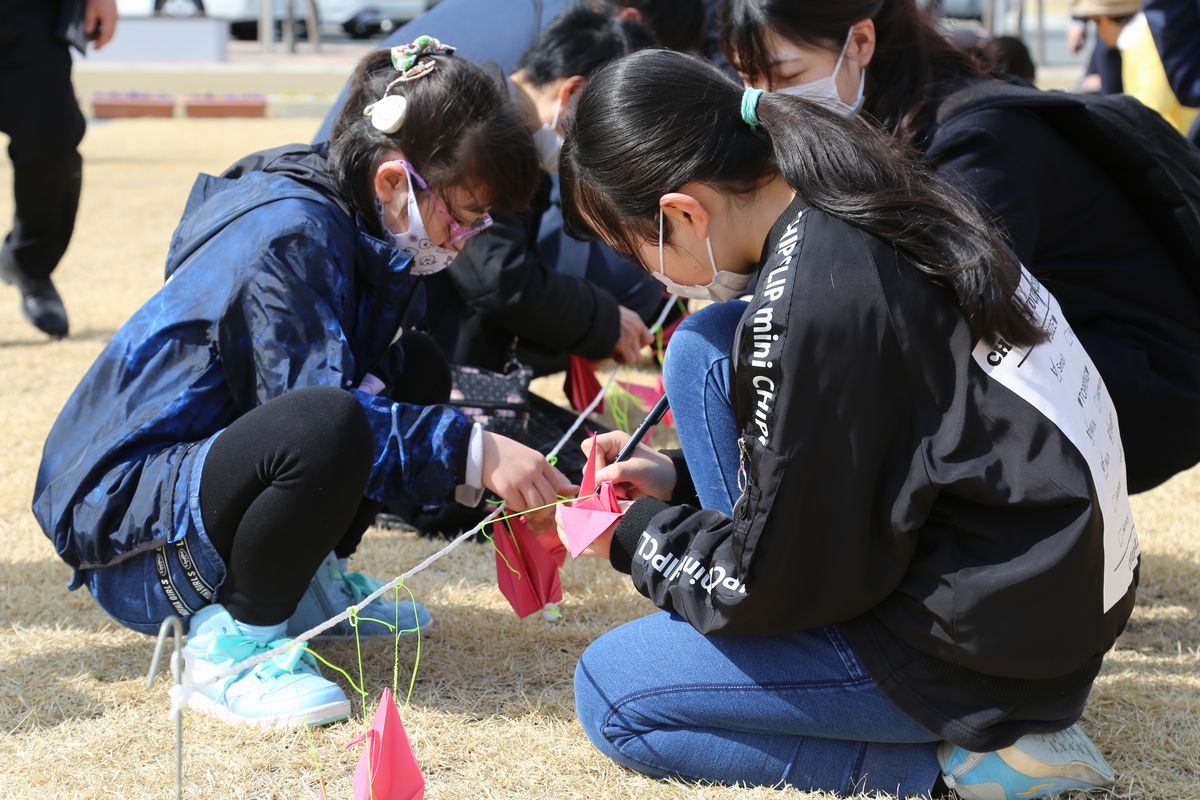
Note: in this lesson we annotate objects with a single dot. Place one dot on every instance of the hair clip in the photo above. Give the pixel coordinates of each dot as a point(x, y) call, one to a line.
point(387, 113)
point(405, 57)
point(422, 69)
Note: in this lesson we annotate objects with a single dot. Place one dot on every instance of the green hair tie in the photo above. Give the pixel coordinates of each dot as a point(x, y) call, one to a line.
point(750, 99)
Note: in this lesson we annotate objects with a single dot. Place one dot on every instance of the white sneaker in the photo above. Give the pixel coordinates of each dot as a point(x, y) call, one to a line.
point(282, 692)
point(1039, 765)
point(332, 590)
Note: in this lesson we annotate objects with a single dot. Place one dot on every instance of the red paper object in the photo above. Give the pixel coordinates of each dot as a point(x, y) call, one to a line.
point(552, 545)
point(582, 385)
point(587, 518)
point(387, 769)
point(526, 572)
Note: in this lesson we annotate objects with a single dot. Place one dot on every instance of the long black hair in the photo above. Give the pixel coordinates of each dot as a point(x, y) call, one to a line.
point(912, 65)
point(580, 41)
point(656, 120)
point(459, 128)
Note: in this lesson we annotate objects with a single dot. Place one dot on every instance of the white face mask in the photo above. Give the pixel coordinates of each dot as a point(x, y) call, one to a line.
point(427, 257)
point(825, 91)
point(548, 142)
point(725, 284)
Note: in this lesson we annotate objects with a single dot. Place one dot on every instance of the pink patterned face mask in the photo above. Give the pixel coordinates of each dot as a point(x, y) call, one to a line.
point(427, 257)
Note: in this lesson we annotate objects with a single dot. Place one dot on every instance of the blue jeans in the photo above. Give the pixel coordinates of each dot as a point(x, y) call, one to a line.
point(659, 697)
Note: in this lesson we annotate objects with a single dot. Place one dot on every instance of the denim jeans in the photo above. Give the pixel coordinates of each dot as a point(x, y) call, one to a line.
point(659, 697)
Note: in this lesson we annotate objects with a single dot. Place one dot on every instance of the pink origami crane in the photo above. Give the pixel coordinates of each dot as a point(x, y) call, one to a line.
point(525, 571)
point(387, 769)
point(591, 515)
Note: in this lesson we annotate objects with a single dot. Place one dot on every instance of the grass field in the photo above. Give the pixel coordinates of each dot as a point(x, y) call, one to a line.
point(492, 715)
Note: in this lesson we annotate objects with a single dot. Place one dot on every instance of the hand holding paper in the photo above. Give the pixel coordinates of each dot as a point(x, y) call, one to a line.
point(596, 510)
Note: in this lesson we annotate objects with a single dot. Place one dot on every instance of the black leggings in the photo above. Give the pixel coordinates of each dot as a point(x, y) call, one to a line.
point(283, 486)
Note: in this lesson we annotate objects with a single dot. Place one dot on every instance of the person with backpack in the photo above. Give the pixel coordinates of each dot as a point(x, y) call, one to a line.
point(1118, 246)
point(223, 456)
point(901, 478)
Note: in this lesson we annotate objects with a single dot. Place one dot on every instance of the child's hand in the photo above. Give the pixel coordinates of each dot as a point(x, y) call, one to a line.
point(646, 473)
point(520, 475)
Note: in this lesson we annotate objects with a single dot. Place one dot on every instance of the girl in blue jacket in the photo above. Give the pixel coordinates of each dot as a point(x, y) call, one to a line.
point(225, 453)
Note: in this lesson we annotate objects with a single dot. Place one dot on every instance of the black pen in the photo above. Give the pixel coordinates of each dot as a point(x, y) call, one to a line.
point(652, 418)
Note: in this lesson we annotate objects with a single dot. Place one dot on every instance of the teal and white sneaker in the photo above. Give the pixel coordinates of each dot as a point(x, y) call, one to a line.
point(333, 589)
point(1039, 765)
point(283, 692)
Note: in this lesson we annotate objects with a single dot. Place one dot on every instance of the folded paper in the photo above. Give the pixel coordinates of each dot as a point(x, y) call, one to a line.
point(387, 768)
point(526, 571)
point(582, 385)
point(591, 515)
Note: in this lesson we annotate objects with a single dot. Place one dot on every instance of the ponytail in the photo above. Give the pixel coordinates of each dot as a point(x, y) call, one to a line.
point(656, 120)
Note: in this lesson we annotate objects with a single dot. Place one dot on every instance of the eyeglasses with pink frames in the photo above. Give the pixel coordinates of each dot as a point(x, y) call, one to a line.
point(458, 231)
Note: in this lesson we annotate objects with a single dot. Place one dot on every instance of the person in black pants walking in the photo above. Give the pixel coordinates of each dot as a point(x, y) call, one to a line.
point(41, 117)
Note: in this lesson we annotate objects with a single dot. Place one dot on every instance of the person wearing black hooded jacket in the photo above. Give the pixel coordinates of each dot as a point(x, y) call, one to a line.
point(1061, 208)
point(901, 480)
point(501, 298)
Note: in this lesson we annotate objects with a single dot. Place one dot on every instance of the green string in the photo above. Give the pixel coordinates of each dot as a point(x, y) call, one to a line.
point(503, 558)
point(396, 644)
point(557, 502)
point(362, 692)
point(619, 400)
point(312, 746)
point(357, 689)
point(412, 679)
point(657, 330)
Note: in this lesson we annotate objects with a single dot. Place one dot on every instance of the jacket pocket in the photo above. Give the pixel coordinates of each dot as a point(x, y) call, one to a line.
point(760, 473)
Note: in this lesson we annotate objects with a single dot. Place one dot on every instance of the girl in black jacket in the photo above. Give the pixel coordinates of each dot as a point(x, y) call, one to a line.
point(1067, 219)
point(894, 497)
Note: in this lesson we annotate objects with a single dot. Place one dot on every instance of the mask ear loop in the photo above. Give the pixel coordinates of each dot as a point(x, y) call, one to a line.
point(661, 269)
point(711, 260)
point(842, 55)
point(411, 203)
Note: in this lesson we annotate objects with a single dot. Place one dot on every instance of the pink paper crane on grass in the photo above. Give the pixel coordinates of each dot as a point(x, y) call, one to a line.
point(591, 515)
point(387, 768)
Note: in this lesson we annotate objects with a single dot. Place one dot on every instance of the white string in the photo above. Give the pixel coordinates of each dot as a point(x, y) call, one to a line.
point(583, 415)
point(662, 315)
point(180, 698)
point(299, 641)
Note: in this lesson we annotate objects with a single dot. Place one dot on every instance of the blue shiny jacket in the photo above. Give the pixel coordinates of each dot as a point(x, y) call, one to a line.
point(272, 284)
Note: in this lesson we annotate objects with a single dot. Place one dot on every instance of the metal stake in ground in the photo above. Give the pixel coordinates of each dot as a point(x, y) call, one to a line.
point(173, 625)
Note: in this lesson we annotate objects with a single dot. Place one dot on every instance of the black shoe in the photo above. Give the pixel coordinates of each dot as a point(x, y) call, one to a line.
point(40, 303)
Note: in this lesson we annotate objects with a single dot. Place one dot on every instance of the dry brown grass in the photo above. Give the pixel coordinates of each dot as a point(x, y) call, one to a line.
point(492, 715)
